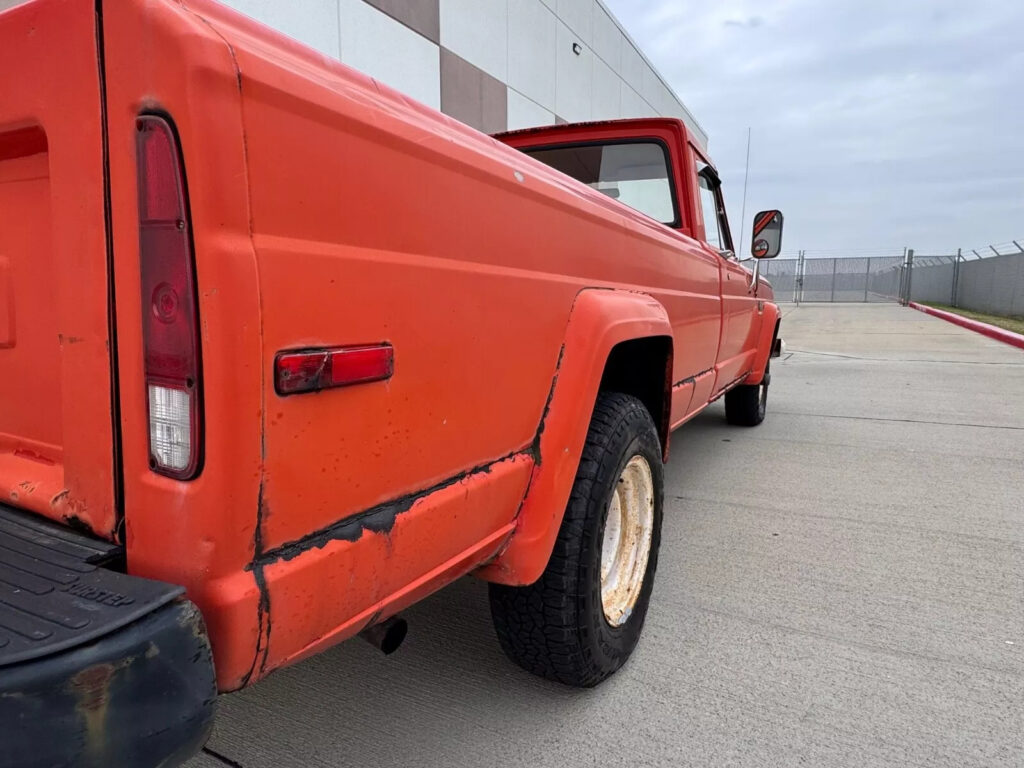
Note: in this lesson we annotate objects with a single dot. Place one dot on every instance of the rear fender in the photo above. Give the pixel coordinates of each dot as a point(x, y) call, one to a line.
point(600, 319)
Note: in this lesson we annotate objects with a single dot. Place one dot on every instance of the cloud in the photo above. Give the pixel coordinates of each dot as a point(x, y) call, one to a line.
point(751, 22)
point(874, 123)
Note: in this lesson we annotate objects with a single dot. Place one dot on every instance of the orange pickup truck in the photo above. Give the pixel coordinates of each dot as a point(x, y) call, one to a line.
point(282, 352)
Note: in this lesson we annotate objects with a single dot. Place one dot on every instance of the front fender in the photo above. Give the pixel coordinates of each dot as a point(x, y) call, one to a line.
point(765, 341)
point(599, 320)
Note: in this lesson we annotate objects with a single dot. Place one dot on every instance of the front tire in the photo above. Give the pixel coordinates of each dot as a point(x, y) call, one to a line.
point(747, 404)
point(581, 620)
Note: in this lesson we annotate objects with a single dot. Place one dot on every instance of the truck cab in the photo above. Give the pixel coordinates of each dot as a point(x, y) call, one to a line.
point(653, 166)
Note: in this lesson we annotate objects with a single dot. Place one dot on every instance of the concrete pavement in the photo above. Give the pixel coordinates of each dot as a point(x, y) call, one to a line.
point(843, 585)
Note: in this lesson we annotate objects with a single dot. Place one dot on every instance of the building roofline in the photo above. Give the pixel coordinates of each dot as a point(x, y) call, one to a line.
point(695, 122)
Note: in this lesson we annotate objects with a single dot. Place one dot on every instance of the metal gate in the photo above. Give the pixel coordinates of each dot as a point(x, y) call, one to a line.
point(874, 279)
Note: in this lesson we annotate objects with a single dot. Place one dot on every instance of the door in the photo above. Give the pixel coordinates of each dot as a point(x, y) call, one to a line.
point(740, 307)
point(56, 426)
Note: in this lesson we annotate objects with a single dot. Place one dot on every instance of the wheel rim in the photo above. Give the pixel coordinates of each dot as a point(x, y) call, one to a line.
point(626, 547)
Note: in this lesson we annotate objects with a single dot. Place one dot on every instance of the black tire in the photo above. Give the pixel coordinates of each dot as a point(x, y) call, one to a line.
point(746, 405)
point(556, 628)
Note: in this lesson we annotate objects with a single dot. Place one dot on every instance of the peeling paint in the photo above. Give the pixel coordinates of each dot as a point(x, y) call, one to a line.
point(535, 445)
point(75, 523)
point(378, 519)
point(692, 379)
point(259, 658)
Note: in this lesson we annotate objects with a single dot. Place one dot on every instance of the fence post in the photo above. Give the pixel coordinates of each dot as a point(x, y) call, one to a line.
point(798, 286)
point(910, 275)
point(867, 280)
point(835, 263)
point(956, 278)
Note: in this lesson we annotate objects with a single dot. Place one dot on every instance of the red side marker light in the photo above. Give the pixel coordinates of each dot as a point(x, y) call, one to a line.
point(311, 370)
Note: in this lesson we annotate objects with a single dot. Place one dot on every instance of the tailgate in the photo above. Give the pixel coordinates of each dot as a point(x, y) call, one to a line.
point(56, 423)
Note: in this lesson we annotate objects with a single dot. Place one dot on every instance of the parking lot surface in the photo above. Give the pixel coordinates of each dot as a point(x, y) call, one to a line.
point(843, 585)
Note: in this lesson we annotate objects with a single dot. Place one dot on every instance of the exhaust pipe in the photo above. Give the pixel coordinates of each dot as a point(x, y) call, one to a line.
point(386, 636)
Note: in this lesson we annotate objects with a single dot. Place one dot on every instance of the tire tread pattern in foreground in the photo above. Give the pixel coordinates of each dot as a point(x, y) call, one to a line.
point(555, 628)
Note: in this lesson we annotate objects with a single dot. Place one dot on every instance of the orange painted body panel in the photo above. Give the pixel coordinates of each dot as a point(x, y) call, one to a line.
point(599, 321)
point(56, 430)
point(766, 336)
point(328, 210)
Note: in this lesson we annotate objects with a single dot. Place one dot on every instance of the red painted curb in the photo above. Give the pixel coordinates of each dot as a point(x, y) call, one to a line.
point(993, 332)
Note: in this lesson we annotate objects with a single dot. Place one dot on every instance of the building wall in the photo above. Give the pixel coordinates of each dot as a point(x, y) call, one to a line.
point(495, 64)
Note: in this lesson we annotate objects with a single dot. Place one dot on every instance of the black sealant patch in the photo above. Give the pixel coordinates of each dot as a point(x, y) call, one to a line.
point(263, 607)
point(535, 445)
point(692, 379)
point(378, 519)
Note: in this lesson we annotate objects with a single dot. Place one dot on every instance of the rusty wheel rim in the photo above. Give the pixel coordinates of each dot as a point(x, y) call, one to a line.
point(626, 545)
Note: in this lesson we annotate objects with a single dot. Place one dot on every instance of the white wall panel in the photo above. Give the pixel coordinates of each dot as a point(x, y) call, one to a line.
point(633, 66)
point(578, 15)
point(477, 30)
point(574, 77)
point(608, 39)
point(607, 92)
point(373, 42)
point(532, 36)
point(313, 22)
point(524, 113)
point(633, 104)
point(653, 90)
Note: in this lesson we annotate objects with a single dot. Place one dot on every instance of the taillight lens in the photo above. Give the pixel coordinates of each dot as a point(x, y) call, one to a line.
point(169, 317)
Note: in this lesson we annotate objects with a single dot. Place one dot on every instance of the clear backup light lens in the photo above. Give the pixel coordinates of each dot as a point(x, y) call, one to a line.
point(170, 427)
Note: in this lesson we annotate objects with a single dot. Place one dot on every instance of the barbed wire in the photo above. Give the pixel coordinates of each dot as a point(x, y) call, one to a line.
point(1006, 248)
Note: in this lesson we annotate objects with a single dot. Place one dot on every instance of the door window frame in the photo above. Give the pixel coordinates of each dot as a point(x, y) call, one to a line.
point(710, 175)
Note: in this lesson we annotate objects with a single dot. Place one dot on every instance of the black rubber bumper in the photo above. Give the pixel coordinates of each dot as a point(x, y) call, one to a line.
point(142, 696)
point(97, 667)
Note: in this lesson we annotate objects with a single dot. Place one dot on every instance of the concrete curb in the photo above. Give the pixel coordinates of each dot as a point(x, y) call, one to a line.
point(992, 331)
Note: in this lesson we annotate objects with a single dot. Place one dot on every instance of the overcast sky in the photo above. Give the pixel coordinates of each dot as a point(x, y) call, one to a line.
point(877, 124)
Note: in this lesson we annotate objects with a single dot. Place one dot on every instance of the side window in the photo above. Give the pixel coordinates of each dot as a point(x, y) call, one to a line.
point(634, 173)
point(709, 209)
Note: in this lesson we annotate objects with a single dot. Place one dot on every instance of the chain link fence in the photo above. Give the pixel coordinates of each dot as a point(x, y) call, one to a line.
point(989, 279)
point(864, 279)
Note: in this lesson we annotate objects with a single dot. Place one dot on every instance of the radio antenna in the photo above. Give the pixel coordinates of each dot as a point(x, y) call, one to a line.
point(743, 214)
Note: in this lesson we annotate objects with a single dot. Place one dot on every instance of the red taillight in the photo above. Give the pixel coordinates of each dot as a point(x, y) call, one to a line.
point(169, 322)
point(314, 369)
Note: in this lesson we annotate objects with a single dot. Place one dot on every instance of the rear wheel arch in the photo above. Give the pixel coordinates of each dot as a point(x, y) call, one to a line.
point(601, 321)
point(642, 367)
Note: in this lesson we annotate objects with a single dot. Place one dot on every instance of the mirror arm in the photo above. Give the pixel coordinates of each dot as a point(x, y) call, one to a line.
point(755, 275)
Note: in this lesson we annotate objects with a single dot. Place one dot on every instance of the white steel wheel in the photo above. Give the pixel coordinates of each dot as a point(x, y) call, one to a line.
point(626, 547)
